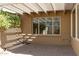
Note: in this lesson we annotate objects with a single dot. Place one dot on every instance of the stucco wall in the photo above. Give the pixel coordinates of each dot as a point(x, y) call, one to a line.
point(63, 39)
point(75, 45)
point(75, 42)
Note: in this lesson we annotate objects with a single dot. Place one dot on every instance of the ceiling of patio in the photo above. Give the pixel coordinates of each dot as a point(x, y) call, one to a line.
point(35, 7)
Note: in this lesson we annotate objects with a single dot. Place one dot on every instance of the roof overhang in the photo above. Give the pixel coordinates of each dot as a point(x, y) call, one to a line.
point(35, 7)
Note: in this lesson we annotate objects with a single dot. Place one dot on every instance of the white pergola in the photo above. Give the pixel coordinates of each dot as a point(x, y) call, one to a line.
point(35, 7)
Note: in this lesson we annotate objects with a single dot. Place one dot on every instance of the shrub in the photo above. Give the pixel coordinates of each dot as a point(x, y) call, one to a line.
point(9, 20)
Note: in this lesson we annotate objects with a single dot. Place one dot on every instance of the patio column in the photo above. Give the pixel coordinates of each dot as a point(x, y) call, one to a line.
point(26, 23)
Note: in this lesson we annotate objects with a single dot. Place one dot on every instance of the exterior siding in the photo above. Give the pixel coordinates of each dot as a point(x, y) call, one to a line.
point(63, 39)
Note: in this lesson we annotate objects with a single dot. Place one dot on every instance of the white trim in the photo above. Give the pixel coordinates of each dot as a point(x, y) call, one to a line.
point(76, 21)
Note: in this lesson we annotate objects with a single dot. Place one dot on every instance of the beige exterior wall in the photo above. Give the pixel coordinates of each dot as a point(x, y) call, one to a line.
point(75, 45)
point(63, 39)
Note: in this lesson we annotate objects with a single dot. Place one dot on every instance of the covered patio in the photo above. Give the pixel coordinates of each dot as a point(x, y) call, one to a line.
point(48, 27)
point(41, 50)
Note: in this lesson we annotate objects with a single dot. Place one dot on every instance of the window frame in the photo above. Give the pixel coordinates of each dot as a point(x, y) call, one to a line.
point(52, 27)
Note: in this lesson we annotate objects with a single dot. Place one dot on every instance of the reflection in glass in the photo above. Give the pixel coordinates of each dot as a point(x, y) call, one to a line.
point(46, 25)
point(35, 26)
point(56, 25)
point(49, 26)
point(42, 27)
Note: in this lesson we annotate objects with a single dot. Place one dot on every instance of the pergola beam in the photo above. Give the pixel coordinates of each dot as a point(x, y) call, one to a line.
point(36, 7)
point(64, 10)
point(53, 7)
point(11, 9)
point(30, 8)
point(3, 4)
point(42, 8)
point(19, 8)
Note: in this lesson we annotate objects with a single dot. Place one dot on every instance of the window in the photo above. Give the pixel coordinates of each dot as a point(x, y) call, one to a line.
point(35, 26)
point(56, 24)
point(46, 25)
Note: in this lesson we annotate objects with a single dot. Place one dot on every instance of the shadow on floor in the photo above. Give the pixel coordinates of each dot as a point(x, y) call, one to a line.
point(44, 50)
